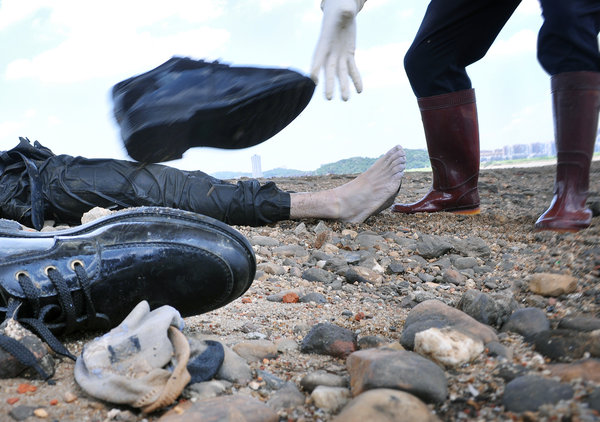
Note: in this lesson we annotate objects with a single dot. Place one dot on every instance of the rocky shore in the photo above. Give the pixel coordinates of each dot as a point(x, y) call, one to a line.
point(420, 317)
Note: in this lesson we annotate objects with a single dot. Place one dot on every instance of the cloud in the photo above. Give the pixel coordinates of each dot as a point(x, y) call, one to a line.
point(109, 38)
point(383, 66)
point(524, 41)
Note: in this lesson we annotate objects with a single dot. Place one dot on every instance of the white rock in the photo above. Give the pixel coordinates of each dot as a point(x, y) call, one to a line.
point(447, 346)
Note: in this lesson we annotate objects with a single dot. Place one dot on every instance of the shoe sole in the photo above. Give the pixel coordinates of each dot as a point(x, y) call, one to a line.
point(241, 125)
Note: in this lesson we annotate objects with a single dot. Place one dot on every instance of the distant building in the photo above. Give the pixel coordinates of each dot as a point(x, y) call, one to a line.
point(256, 167)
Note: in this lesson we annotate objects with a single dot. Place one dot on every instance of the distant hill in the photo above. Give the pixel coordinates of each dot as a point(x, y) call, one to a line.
point(415, 159)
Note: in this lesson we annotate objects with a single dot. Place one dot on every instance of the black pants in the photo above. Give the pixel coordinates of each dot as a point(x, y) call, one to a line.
point(457, 33)
point(35, 185)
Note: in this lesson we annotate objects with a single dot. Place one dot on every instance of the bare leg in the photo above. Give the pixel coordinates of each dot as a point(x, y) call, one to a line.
point(368, 194)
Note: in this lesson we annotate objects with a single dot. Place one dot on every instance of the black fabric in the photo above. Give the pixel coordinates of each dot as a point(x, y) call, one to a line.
point(69, 186)
point(455, 34)
point(186, 103)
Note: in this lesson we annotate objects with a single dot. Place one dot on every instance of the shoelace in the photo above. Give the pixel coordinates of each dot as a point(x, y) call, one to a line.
point(67, 320)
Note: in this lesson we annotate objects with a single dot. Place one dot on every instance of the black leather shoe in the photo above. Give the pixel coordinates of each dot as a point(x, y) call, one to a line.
point(186, 103)
point(91, 276)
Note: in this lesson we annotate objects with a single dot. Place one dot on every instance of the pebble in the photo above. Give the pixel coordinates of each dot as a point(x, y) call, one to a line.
point(580, 323)
point(386, 405)
point(363, 275)
point(329, 339)
point(313, 297)
point(206, 358)
point(432, 246)
point(447, 347)
point(286, 397)
point(529, 392)
point(330, 398)
point(436, 314)
point(319, 275)
point(239, 408)
point(488, 309)
point(588, 370)
point(566, 344)
point(402, 370)
point(20, 413)
point(256, 350)
point(322, 378)
point(547, 284)
point(208, 389)
point(593, 400)
point(527, 322)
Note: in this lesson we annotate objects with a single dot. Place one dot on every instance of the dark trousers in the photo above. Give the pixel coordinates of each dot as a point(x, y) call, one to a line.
point(36, 185)
point(457, 33)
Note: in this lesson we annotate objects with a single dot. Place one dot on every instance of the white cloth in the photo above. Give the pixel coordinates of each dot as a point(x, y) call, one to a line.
point(135, 363)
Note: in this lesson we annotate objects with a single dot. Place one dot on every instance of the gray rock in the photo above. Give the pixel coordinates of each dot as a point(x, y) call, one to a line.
point(368, 342)
point(286, 397)
point(319, 275)
point(472, 246)
point(367, 241)
point(563, 344)
point(20, 413)
point(330, 398)
point(313, 297)
point(436, 314)
point(395, 267)
point(498, 349)
point(401, 370)
point(529, 392)
point(290, 250)
point(462, 263)
point(593, 400)
point(487, 309)
point(431, 246)
point(272, 381)
point(527, 322)
point(263, 241)
point(313, 379)
point(329, 339)
point(580, 323)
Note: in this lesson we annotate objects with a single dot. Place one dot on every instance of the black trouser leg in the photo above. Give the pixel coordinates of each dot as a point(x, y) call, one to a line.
point(453, 35)
point(73, 185)
point(568, 39)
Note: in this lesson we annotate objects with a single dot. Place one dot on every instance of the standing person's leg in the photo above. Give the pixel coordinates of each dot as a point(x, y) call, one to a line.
point(452, 36)
point(568, 51)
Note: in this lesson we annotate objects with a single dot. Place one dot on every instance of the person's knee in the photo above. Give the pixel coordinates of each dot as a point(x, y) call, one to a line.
point(419, 70)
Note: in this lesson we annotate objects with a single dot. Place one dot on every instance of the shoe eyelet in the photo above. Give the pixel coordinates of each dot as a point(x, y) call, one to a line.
point(21, 273)
point(76, 262)
point(48, 268)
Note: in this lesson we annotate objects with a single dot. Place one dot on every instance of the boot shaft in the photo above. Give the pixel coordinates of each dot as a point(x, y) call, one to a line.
point(452, 135)
point(576, 104)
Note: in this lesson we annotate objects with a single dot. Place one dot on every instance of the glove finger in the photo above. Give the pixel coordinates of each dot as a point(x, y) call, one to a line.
point(355, 75)
point(342, 74)
point(330, 76)
point(318, 59)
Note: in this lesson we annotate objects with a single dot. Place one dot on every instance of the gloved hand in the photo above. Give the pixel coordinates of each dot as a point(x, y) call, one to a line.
point(336, 45)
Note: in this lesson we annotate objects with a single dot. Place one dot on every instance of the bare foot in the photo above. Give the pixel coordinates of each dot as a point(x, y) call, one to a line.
point(368, 194)
point(374, 190)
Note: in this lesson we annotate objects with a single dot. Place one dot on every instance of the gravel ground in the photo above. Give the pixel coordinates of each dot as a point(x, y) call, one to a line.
point(512, 199)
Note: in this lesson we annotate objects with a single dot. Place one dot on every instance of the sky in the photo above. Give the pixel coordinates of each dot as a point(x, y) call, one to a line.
point(60, 58)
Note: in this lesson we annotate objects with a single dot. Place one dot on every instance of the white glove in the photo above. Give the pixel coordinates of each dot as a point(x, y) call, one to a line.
point(336, 45)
